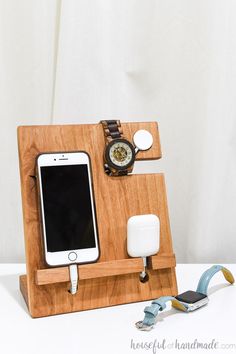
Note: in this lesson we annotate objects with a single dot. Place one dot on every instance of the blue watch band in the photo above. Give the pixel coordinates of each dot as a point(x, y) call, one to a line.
point(152, 311)
point(209, 273)
point(160, 304)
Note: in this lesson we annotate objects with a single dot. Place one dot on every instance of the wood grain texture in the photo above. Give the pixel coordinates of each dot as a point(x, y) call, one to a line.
point(23, 287)
point(102, 269)
point(116, 199)
point(161, 262)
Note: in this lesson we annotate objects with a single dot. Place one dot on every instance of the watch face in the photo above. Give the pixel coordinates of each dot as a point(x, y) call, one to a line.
point(190, 297)
point(120, 154)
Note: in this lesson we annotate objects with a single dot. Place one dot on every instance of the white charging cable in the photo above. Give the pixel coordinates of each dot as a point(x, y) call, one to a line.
point(73, 268)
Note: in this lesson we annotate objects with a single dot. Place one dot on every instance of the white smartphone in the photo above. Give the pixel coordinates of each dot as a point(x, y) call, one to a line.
point(67, 208)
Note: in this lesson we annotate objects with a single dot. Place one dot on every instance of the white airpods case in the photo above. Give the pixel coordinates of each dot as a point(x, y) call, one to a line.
point(143, 235)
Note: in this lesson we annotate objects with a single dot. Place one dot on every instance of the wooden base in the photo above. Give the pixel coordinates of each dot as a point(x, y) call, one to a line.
point(165, 281)
point(114, 278)
point(106, 269)
point(23, 288)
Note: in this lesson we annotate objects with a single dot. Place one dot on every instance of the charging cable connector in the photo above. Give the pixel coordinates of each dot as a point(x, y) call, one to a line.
point(143, 276)
point(73, 268)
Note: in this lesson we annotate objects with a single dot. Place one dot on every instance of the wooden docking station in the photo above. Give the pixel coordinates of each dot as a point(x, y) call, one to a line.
point(114, 278)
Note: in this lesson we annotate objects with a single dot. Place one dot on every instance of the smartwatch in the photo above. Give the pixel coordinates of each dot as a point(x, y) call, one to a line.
point(188, 301)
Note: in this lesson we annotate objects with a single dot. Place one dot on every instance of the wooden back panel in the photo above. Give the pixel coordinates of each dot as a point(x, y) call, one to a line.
point(116, 198)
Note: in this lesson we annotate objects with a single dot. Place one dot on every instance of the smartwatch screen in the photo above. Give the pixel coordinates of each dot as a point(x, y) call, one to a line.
point(190, 297)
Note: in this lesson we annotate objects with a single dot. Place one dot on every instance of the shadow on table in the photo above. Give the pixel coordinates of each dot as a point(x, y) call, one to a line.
point(217, 287)
point(11, 284)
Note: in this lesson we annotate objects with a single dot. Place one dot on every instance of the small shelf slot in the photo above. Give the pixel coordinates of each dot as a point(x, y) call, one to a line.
point(104, 269)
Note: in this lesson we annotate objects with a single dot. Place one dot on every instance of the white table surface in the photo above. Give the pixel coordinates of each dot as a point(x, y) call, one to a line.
point(111, 330)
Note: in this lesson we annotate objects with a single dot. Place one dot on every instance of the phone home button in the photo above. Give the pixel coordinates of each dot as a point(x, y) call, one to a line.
point(72, 256)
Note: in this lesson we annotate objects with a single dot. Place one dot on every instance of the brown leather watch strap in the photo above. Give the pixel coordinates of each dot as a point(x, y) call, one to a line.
point(112, 129)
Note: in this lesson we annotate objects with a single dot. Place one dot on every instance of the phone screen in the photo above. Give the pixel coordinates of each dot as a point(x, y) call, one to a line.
point(67, 207)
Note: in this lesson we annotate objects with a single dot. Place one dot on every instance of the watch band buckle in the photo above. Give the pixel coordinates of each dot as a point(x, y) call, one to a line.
point(143, 327)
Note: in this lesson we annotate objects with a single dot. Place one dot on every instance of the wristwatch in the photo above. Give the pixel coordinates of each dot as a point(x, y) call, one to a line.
point(119, 153)
point(188, 301)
